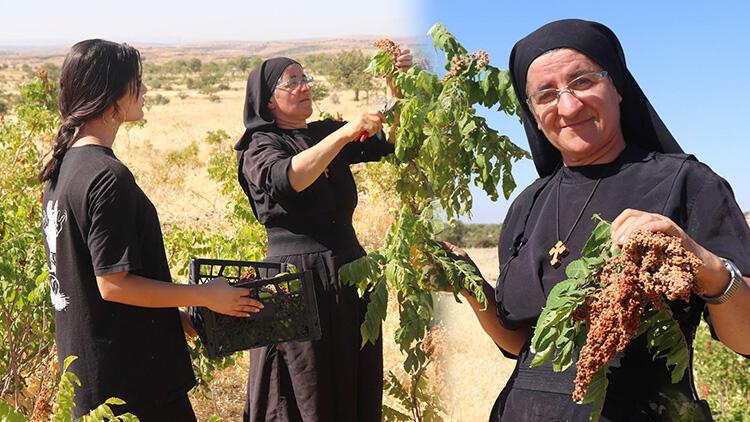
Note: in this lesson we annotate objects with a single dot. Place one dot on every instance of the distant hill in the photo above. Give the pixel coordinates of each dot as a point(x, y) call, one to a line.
point(156, 53)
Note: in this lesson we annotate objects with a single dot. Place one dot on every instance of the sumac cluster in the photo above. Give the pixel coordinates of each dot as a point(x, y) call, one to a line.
point(651, 268)
point(609, 298)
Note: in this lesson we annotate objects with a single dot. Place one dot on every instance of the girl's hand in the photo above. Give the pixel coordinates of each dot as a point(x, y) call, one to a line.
point(228, 300)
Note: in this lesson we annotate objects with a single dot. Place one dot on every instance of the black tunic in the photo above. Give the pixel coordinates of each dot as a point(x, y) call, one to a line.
point(674, 185)
point(332, 379)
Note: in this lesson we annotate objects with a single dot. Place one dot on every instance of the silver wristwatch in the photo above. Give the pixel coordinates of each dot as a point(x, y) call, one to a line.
point(735, 281)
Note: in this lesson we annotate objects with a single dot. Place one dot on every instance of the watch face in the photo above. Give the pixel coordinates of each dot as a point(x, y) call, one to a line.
point(734, 272)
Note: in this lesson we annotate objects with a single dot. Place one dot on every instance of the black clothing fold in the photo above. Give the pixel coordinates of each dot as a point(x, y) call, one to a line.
point(328, 380)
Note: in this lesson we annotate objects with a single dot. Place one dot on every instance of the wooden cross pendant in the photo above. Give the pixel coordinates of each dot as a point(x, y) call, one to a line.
point(559, 251)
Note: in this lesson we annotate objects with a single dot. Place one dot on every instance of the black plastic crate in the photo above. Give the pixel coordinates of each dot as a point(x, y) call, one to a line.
point(289, 311)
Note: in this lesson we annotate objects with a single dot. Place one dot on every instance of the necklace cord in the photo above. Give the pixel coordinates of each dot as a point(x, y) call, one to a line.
point(580, 214)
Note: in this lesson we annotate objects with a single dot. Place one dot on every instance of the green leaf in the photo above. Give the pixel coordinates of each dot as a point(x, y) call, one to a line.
point(509, 184)
point(665, 339)
point(362, 272)
point(599, 238)
point(376, 313)
point(114, 401)
point(564, 357)
point(8, 414)
point(541, 357)
point(577, 269)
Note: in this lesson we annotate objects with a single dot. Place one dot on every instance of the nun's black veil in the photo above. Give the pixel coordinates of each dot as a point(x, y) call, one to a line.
point(640, 123)
point(260, 86)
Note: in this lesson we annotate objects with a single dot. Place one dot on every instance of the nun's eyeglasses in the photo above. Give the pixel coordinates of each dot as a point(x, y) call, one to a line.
point(546, 98)
point(293, 84)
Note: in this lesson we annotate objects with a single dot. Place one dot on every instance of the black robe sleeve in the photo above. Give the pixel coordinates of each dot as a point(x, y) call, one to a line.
point(371, 149)
point(715, 222)
point(265, 165)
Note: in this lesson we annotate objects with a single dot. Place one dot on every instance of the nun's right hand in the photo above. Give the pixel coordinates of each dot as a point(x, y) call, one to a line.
point(368, 122)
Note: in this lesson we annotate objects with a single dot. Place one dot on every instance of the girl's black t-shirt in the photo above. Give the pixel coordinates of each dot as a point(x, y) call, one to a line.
point(96, 221)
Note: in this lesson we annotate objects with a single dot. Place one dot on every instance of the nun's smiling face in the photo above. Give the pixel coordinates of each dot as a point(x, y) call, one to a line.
point(291, 102)
point(583, 124)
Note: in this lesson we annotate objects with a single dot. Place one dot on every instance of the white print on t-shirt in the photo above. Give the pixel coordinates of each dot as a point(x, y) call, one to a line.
point(59, 300)
point(52, 220)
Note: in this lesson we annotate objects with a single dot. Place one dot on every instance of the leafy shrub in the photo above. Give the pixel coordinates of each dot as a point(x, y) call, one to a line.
point(318, 63)
point(245, 241)
point(62, 409)
point(320, 91)
point(348, 72)
point(186, 157)
point(25, 312)
point(157, 99)
point(215, 137)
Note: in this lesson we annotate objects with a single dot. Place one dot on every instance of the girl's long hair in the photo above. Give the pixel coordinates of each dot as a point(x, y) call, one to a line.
point(95, 74)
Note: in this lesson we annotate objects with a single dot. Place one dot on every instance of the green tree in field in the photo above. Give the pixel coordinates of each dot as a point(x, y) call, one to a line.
point(318, 63)
point(194, 65)
point(348, 72)
point(320, 91)
point(243, 63)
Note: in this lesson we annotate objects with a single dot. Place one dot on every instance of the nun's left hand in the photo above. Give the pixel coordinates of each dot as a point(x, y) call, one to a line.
point(405, 60)
point(712, 275)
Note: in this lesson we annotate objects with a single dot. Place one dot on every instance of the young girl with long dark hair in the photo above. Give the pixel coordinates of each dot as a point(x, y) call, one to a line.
point(115, 305)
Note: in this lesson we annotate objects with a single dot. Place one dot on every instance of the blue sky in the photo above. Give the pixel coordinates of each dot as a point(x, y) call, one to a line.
point(692, 59)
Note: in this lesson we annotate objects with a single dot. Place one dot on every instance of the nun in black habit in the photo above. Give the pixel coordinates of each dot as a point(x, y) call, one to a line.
point(296, 176)
point(599, 147)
